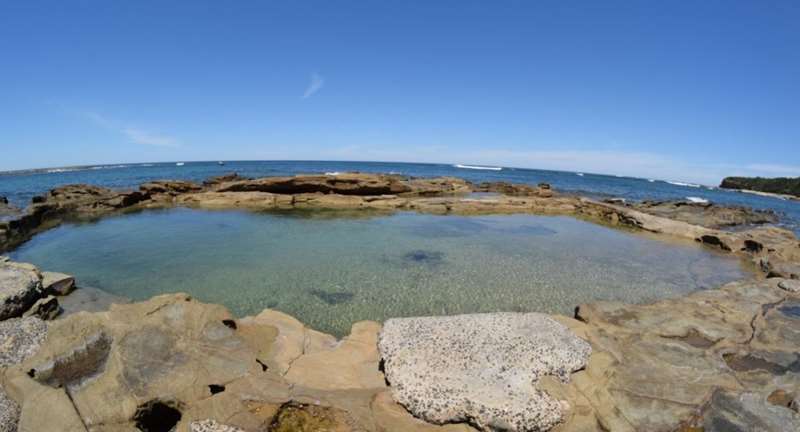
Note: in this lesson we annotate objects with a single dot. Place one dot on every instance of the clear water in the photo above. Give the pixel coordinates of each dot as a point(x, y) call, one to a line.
point(330, 271)
point(20, 186)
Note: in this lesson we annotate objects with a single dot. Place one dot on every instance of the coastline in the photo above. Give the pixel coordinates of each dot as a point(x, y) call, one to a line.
point(677, 363)
point(767, 194)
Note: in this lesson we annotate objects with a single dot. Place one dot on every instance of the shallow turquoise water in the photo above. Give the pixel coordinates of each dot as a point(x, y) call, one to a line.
point(330, 271)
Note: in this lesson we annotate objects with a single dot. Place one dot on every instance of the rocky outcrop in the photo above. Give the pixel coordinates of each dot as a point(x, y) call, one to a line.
point(20, 288)
point(6, 209)
point(59, 284)
point(169, 187)
point(706, 214)
point(19, 339)
point(481, 369)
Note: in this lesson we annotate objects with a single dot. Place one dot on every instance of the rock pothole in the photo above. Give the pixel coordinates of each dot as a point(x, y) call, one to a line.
point(157, 416)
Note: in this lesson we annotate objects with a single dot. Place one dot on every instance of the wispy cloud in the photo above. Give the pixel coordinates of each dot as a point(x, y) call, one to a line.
point(315, 85)
point(148, 138)
point(134, 134)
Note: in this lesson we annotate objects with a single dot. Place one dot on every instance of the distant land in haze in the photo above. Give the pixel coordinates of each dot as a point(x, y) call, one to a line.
point(780, 185)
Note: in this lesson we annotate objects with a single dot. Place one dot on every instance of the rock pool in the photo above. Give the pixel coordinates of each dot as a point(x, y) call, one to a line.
point(330, 270)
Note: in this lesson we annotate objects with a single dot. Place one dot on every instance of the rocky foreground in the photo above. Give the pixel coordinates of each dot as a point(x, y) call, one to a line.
point(716, 360)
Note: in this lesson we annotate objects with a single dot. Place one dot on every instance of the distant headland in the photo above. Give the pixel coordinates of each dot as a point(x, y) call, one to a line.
point(783, 186)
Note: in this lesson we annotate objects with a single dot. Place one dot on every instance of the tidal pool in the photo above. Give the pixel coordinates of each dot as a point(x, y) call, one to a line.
point(330, 271)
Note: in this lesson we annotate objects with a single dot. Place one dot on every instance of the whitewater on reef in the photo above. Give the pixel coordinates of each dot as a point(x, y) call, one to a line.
point(478, 167)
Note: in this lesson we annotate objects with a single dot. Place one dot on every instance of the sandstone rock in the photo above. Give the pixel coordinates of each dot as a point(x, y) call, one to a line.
point(706, 214)
point(730, 411)
point(344, 184)
point(479, 368)
point(58, 284)
point(169, 187)
point(46, 308)
point(791, 285)
point(20, 287)
point(225, 178)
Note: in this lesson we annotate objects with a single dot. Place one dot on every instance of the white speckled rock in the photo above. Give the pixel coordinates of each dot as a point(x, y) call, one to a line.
point(20, 338)
point(20, 287)
point(211, 426)
point(9, 413)
point(480, 368)
point(791, 285)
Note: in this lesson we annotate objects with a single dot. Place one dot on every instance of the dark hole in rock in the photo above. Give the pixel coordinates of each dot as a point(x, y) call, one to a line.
point(229, 323)
point(157, 416)
point(216, 388)
point(425, 257)
point(332, 298)
point(790, 311)
point(577, 315)
point(382, 369)
point(83, 362)
point(32, 373)
point(714, 241)
point(753, 246)
point(263, 365)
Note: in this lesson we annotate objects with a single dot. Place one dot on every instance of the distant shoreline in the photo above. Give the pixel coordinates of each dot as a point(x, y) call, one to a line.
point(768, 194)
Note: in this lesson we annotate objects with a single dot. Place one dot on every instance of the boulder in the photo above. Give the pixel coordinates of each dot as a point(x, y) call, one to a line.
point(20, 288)
point(479, 368)
point(58, 284)
point(46, 308)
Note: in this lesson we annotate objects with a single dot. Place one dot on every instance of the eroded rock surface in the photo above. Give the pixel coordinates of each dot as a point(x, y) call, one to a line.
point(482, 368)
point(20, 288)
point(706, 214)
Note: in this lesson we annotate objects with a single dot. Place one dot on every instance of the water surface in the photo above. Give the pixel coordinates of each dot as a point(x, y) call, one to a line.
point(331, 271)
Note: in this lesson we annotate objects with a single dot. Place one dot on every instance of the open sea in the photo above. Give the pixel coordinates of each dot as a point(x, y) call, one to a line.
point(20, 186)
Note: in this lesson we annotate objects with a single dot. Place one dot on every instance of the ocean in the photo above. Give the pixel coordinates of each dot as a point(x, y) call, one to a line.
point(20, 186)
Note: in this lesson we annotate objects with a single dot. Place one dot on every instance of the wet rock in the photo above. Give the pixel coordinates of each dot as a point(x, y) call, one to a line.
point(20, 288)
point(88, 299)
point(479, 368)
point(295, 417)
point(20, 338)
point(45, 308)
point(58, 284)
point(344, 184)
point(731, 412)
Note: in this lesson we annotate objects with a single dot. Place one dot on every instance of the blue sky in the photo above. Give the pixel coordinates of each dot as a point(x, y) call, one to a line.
point(679, 90)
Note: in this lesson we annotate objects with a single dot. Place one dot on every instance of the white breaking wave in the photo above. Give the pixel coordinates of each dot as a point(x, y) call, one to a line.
point(651, 180)
point(179, 164)
point(580, 174)
point(60, 170)
point(333, 173)
point(683, 184)
point(478, 167)
point(99, 167)
point(697, 200)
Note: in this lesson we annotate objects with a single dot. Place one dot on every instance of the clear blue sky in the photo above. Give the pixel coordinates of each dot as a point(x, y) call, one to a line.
point(671, 89)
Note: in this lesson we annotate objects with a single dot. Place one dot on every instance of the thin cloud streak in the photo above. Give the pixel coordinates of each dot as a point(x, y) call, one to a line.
point(134, 134)
point(316, 84)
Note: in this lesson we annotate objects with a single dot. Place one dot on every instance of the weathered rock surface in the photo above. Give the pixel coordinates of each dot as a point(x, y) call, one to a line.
point(791, 285)
point(706, 214)
point(169, 187)
point(46, 308)
point(482, 368)
point(58, 284)
point(7, 209)
point(88, 299)
point(20, 288)
point(174, 362)
point(20, 338)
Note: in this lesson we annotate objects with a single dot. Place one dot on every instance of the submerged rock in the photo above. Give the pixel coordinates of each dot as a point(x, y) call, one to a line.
point(480, 368)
